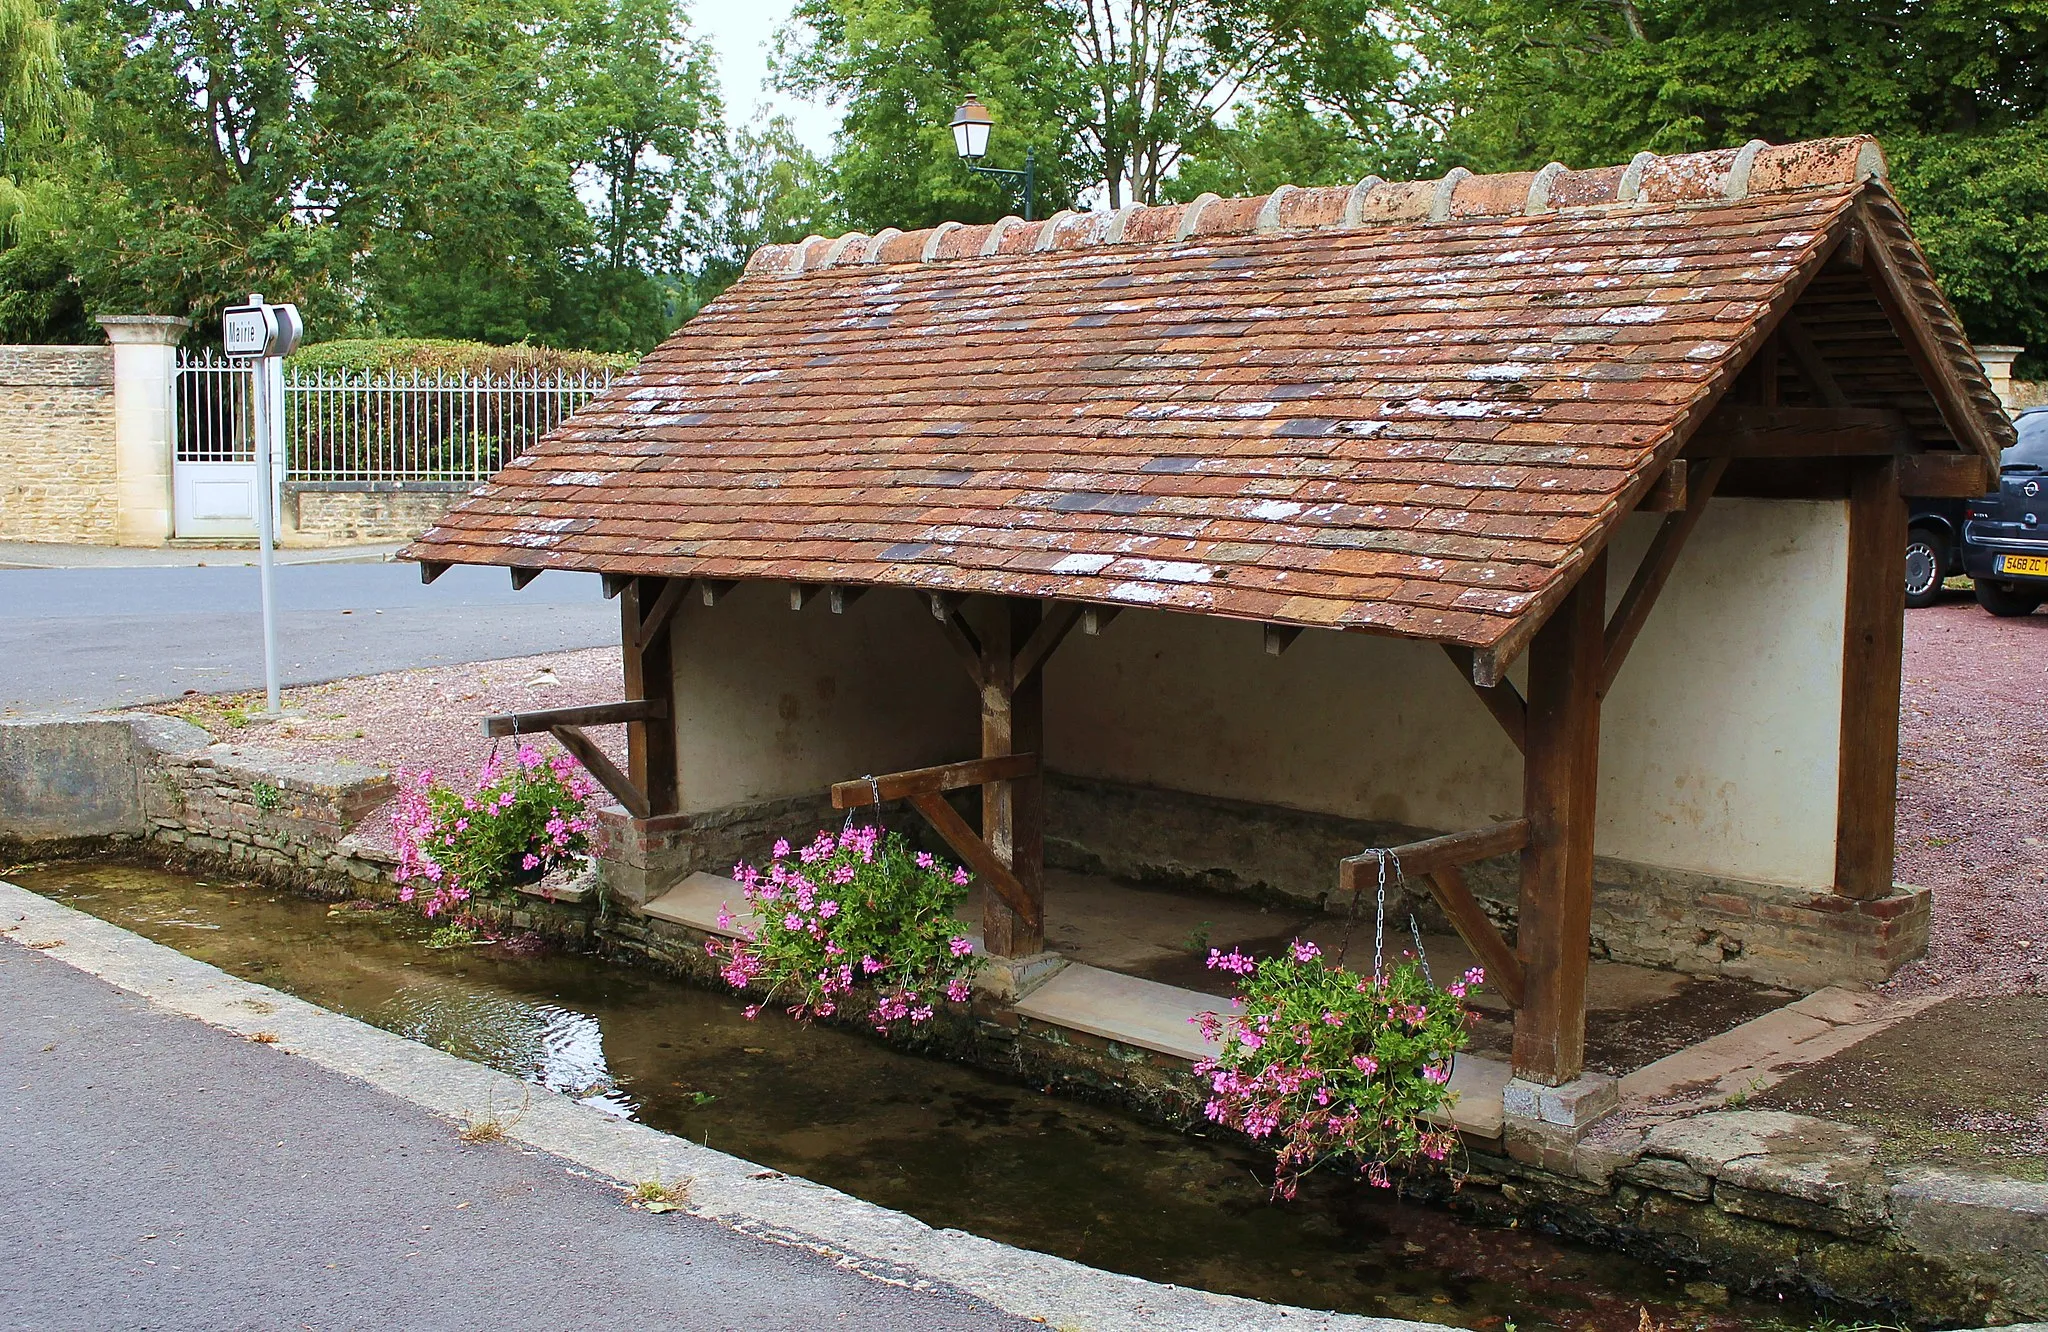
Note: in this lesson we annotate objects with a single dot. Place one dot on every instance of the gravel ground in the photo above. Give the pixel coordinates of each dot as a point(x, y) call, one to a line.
point(1973, 786)
point(1973, 782)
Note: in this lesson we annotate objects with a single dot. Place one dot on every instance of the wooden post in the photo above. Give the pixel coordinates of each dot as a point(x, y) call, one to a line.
point(651, 760)
point(1560, 775)
point(1013, 812)
point(1873, 643)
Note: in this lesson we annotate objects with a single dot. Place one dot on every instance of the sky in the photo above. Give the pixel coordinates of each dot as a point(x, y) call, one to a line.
point(743, 33)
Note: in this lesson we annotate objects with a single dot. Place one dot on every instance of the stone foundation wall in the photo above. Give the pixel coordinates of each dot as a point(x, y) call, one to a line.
point(639, 859)
point(57, 473)
point(328, 514)
point(266, 814)
point(1697, 923)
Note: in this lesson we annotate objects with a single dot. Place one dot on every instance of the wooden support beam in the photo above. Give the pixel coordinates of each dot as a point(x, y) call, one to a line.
point(839, 598)
point(1560, 777)
point(1280, 637)
point(595, 714)
point(1944, 476)
point(714, 590)
point(1095, 619)
point(654, 621)
point(863, 791)
point(1005, 891)
point(1813, 366)
point(1873, 644)
point(802, 594)
point(1052, 630)
point(521, 577)
point(1736, 431)
point(652, 763)
point(623, 788)
point(614, 584)
point(1355, 873)
point(1655, 571)
point(1013, 811)
point(1502, 700)
point(432, 569)
point(1503, 969)
point(960, 635)
point(1667, 494)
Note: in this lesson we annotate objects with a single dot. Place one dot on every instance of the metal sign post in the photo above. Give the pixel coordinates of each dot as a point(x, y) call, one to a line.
point(267, 334)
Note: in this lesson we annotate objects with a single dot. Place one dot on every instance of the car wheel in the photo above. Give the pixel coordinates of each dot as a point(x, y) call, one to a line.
point(2005, 600)
point(1923, 567)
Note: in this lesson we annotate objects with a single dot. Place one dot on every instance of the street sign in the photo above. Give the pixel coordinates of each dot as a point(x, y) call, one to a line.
point(267, 333)
point(246, 330)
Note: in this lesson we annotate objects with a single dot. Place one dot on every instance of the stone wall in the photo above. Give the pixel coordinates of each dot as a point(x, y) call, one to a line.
point(324, 513)
point(57, 467)
point(2029, 393)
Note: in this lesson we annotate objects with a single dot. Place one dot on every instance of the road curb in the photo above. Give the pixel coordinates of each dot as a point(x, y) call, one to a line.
point(858, 1236)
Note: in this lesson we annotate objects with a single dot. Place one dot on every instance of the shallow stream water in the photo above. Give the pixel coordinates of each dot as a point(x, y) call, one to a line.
point(946, 1143)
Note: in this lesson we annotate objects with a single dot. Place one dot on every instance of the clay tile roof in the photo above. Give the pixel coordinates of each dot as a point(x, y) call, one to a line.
point(1412, 408)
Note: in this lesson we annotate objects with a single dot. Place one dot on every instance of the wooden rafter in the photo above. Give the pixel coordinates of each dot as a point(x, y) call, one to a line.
point(1668, 493)
point(1813, 365)
point(1654, 572)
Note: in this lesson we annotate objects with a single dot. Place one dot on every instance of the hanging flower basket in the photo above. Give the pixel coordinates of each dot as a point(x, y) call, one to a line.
point(1331, 1066)
point(856, 918)
point(519, 819)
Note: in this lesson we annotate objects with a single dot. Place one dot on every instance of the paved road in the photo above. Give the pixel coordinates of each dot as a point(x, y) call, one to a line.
point(157, 1173)
point(82, 639)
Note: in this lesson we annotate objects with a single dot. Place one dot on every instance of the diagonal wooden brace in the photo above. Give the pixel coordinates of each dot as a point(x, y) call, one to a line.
point(987, 867)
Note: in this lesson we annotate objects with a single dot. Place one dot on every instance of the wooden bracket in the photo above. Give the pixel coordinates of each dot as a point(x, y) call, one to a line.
point(1944, 476)
point(1667, 493)
point(1813, 366)
point(714, 590)
point(802, 594)
point(1095, 619)
point(839, 598)
point(521, 577)
point(863, 791)
point(1502, 700)
point(1438, 861)
point(615, 584)
point(1653, 572)
point(1044, 640)
point(566, 725)
point(959, 633)
point(656, 617)
point(987, 867)
point(432, 569)
point(1280, 637)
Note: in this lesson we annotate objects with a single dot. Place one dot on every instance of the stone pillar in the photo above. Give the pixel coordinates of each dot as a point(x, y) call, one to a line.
point(1997, 363)
point(145, 361)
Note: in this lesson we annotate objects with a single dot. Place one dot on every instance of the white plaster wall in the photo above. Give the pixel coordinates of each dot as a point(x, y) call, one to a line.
point(1718, 741)
point(1720, 738)
point(773, 703)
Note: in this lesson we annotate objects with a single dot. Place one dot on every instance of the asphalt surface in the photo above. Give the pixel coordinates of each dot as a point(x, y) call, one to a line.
point(158, 1173)
point(75, 640)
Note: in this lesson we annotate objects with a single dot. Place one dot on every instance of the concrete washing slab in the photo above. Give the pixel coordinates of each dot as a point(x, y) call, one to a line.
point(1130, 1010)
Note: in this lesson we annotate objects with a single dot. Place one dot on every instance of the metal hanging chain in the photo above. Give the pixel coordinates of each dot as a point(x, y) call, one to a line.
point(875, 788)
point(1421, 953)
point(1381, 855)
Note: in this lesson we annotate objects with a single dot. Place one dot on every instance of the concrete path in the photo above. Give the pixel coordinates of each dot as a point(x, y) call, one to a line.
point(157, 1173)
point(85, 639)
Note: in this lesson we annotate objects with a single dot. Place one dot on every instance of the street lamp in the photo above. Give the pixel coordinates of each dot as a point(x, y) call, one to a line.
point(971, 124)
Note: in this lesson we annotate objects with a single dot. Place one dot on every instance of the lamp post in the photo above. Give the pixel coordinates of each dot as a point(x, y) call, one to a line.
point(971, 124)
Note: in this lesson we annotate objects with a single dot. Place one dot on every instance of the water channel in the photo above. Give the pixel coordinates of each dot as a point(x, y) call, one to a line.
point(949, 1144)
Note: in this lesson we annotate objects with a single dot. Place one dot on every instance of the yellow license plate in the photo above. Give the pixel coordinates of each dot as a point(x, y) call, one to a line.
point(2024, 564)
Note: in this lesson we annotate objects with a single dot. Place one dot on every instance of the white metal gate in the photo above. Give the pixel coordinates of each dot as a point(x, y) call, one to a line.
point(213, 463)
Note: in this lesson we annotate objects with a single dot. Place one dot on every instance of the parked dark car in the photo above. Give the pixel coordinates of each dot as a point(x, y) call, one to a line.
point(1934, 547)
point(2005, 536)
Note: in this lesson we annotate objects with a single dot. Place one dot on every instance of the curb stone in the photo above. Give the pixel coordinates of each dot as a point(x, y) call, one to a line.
point(750, 1199)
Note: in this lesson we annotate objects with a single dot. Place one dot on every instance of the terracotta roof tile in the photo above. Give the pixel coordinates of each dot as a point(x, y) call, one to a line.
point(1406, 407)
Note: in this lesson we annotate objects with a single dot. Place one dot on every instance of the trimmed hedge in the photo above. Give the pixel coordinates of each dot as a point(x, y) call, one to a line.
point(447, 355)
